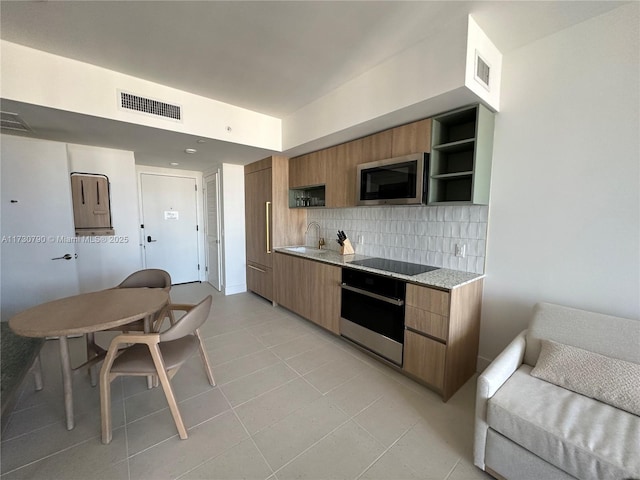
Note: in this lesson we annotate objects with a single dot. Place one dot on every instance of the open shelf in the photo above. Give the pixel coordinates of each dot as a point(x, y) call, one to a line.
point(307, 197)
point(460, 164)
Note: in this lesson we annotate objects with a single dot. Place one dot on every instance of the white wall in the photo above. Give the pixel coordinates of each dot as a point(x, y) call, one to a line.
point(103, 265)
point(233, 229)
point(424, 71)
point(564, 219)
point(83, 88)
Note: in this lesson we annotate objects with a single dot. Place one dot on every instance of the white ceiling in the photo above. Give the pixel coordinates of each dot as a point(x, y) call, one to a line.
point(270, 57)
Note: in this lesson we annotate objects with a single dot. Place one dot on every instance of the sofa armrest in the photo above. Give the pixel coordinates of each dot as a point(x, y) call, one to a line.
point(489, 382)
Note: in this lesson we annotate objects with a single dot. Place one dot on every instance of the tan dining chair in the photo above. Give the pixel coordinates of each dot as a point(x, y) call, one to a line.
point(160, 354)
point(147, 278)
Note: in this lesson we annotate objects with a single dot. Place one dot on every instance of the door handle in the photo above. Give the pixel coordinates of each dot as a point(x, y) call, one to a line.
point(267, 207)
point(149, 239)
point(66, 256)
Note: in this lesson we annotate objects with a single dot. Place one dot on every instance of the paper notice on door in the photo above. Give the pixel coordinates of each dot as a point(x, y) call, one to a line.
point(171, 215)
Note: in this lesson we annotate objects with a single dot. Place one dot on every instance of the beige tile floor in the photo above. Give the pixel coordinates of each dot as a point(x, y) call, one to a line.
point(291, 401)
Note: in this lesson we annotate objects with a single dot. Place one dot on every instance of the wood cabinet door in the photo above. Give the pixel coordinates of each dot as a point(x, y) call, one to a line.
point(424, 358)
point(341, 174)
point(411, 138)
point(324, 295)
point(377, 147)
point(258, 215)
point(291, 283)
point(307, 170)
point(260, 280)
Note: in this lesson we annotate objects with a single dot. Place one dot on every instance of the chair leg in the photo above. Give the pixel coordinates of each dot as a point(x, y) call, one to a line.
point(91, 352)
point(168, 391)
point(205, 360)
point(105, 406)
point(37, 373)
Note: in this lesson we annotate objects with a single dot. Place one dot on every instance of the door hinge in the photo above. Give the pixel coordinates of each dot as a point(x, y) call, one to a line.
point(142, 225)
point(206, 269)
point(196, 187)
point(197, 228)
point(198, 267)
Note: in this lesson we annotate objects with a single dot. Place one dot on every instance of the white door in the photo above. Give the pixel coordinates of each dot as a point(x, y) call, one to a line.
point(213, 231)
point(36, 224)
point(169, 216)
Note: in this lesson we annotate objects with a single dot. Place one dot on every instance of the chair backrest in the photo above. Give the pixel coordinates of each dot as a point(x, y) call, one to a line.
point(151, 278)
point(191, 321)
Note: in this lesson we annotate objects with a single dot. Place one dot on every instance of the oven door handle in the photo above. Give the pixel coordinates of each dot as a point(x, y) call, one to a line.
point(394, 301)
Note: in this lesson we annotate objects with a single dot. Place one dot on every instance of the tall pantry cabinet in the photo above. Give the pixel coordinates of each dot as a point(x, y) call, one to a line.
point(269, 220)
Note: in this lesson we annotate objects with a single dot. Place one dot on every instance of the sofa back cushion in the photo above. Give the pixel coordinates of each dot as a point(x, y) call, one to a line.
point(614, 337)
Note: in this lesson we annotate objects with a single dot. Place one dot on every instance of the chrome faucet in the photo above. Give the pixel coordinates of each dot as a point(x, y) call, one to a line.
point(320, 239)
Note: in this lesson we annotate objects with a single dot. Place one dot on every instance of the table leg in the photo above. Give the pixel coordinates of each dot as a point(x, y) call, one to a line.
point(67, 381)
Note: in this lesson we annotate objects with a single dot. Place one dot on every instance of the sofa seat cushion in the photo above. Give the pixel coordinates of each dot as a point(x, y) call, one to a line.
point(582, 436)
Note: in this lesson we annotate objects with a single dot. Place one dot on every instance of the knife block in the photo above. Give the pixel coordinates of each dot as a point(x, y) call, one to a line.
point(347, 248)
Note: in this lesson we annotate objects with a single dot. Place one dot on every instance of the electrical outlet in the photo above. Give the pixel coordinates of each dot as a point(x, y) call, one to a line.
point(361, 239)
point(461, 250)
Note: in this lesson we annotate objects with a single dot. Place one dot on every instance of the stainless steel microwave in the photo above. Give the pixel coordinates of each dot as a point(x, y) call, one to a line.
point(395, 181)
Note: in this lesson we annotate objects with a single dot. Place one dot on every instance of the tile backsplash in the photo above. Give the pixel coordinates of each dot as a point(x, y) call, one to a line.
point(418, 234)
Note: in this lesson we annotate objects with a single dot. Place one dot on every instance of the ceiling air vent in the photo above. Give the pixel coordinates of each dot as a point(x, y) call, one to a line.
point(13, 122)
point(129, 101)
point(483, 70)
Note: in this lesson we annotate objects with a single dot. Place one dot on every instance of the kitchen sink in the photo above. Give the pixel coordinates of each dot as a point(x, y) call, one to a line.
point(305, 250)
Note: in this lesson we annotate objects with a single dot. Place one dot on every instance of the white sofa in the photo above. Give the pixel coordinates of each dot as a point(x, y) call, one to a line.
point(529, 428)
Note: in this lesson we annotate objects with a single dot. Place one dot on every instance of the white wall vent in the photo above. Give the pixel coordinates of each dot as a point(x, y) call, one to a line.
point(482, 71)
point(128, 101)
point(13, 122)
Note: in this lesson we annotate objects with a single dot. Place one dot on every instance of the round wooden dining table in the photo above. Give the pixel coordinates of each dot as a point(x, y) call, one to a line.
point(86, 314)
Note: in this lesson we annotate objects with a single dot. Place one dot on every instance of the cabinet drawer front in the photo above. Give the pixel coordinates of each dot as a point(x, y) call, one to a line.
point(260, 280)
point(434, 301)
point(427, 322)
point(424, 358)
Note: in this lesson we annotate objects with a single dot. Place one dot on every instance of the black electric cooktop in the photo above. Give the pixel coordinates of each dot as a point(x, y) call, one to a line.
point(395, 266)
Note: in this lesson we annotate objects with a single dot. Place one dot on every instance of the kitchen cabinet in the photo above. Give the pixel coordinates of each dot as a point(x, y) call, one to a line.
point(269, 222)
point(411, 138)
point(460, 166)
point(308, 170)
point(442, 330)
point(341, 174)
point(377, 146)
point(324, 295)
point(310, 289)
point(292, 283)
point(335, 167)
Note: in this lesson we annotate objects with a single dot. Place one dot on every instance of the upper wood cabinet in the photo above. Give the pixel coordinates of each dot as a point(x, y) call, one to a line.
point(308, 170)
point(341, 174)
point(335, 167)
point(411, 138)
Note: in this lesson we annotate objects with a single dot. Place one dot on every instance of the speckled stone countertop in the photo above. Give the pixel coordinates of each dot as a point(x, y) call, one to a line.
point(442, 278)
